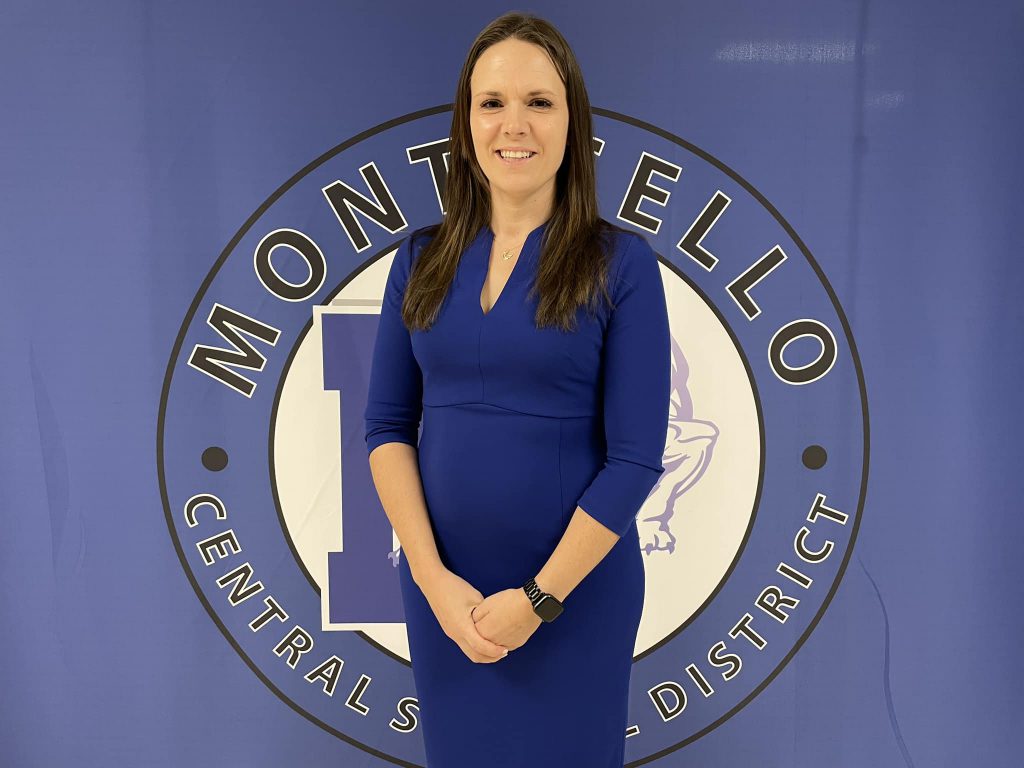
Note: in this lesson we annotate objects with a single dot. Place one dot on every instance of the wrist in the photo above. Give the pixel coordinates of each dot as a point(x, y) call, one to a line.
point(528, 609)
point(424, 573)
point(545, 585)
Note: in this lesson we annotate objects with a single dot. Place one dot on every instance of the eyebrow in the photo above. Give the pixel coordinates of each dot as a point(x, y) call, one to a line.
point(531, 93)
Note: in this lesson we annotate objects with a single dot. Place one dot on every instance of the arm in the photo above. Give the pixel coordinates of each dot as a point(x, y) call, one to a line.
point(394, 406)
point(637, 390)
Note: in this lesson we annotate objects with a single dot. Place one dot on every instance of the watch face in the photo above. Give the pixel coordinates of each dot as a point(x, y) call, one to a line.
point(548, 609)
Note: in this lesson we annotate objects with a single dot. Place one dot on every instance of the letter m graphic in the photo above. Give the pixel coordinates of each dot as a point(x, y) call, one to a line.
point(213, 361)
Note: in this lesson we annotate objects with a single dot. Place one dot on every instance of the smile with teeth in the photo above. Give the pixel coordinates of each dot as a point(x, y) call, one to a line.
point(514, 157)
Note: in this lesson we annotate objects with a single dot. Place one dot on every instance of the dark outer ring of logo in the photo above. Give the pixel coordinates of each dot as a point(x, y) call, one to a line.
point(295, 178)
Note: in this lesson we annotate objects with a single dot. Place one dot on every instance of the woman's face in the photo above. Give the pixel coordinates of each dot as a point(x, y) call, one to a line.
point(517, 101)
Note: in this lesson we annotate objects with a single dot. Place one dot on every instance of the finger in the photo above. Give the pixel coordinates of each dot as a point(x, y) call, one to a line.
point(474, 656)
point(485, 647)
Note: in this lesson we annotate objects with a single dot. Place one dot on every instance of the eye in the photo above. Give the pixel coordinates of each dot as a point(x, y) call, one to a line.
point(545, 102)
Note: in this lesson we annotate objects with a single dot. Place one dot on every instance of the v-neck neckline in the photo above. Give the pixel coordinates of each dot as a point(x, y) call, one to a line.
point(530, 245)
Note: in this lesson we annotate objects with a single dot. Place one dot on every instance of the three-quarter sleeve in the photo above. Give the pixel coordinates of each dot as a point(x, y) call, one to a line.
point(637, 372)
point(394, 403)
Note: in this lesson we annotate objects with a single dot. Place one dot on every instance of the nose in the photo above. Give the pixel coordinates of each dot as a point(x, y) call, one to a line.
point(515, 123)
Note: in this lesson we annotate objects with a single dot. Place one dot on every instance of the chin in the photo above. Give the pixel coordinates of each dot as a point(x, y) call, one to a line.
point(523, 184)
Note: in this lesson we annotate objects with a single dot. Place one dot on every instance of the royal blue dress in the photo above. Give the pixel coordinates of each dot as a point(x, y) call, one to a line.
point(519, 427)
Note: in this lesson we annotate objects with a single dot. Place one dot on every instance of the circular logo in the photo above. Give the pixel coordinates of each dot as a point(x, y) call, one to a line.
point(266, 484)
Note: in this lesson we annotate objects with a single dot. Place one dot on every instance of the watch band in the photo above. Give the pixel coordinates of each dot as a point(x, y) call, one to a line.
point(545, 605)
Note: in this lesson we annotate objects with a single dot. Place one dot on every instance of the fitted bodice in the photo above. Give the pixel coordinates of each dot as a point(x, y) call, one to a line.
point(468, 356)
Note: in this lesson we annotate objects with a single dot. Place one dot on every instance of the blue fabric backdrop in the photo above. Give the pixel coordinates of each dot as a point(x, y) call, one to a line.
point(146, 148)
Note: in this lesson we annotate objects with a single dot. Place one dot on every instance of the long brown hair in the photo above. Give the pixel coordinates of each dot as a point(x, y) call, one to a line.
point(576, 247)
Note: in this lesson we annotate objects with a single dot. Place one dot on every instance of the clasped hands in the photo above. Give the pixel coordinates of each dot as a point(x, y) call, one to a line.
point(483, 627)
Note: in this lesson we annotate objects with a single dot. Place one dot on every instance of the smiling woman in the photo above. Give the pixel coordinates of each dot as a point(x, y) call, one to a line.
point(543, 426)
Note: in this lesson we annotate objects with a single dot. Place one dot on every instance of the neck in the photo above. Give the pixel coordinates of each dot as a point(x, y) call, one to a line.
point(512, 221)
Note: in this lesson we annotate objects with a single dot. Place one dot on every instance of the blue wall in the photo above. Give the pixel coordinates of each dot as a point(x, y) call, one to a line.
point(137, 142)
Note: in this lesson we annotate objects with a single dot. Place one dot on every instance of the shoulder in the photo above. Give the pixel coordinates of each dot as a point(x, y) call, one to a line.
point(409, 247)
point(634, 263)
point(625, 245)
point(420, 237)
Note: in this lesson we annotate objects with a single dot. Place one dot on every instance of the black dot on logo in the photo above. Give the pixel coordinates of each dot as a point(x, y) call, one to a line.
point(215, 459)
point(814, 457)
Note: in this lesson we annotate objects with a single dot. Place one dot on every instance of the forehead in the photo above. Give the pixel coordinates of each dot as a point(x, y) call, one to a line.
point(516, 65)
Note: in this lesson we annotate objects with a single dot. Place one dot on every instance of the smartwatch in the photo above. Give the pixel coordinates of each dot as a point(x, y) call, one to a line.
point(544, 604)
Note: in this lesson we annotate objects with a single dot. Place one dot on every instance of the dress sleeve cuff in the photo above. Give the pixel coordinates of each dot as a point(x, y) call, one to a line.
point(615, 496)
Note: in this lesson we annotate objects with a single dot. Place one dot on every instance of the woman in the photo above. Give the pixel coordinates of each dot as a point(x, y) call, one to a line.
point(532, 338)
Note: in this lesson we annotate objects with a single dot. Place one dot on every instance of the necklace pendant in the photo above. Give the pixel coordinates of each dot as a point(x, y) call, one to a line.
point(506, 255)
